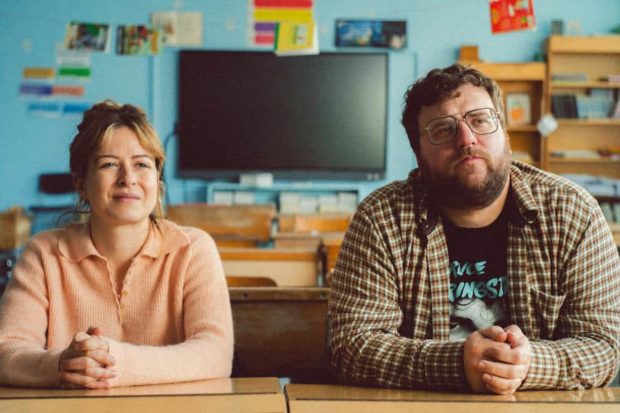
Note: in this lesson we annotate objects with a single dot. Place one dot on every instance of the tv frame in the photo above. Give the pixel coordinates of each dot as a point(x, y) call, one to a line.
point(306, 174)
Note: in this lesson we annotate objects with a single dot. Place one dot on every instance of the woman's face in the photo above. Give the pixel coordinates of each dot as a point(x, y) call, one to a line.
point(121, 183)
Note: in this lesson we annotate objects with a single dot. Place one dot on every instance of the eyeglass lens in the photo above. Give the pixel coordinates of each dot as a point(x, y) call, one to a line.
point(480, 121)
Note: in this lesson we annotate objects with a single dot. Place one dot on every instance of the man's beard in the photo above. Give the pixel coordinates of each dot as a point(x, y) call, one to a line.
point(449, 190)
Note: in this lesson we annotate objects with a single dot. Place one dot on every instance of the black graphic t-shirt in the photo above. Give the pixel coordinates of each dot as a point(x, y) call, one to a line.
point(478, 281)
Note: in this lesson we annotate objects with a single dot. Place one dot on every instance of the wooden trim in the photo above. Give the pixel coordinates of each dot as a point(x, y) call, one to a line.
point(584, 160)
point(306, 398)
point(278, 293)
point(590, 84)
point(521, 128)
point(589, 122)
point(239, 394)
point(584, 44)
point(267, 254)
point(511, 71)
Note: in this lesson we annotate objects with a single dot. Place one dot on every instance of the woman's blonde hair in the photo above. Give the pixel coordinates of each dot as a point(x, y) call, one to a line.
point(93, 131)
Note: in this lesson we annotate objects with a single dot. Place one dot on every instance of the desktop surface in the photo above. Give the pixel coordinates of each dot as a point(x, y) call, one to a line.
point(304, 398)
point(234, 395)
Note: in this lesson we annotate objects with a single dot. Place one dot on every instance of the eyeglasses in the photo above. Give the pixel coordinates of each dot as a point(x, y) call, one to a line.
point(481, 121)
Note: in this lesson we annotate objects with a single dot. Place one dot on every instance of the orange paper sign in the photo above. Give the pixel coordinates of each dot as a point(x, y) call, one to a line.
point(512, 15)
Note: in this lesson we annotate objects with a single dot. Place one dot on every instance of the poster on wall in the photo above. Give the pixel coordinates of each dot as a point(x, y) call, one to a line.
point(296, 38)
point(73, 65)
point(92, 37)
point(265, 15)
point(137, 40)
point(371, 33)
point(179, 28)
point(57, 91)
point(512, 15)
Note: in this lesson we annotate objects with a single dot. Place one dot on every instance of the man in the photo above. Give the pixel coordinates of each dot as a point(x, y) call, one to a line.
point(476, 272)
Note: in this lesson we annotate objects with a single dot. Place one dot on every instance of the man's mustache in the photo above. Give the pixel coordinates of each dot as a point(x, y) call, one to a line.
point(467, 152)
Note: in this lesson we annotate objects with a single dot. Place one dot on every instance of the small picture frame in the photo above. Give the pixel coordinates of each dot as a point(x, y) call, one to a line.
point(89, 37)
point(371, 33)
point(518, 109)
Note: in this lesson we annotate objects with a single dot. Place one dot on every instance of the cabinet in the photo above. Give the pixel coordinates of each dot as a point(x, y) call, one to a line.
point(289, 197)
point(516, 80)
point(583, 99)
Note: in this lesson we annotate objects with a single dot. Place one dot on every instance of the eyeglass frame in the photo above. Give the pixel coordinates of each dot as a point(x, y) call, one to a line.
point(496, 118)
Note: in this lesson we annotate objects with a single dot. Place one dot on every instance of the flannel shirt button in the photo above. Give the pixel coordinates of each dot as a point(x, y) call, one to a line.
point(530, 216)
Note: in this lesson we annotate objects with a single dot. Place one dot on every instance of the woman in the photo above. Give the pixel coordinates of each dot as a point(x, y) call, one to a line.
point(125, 298)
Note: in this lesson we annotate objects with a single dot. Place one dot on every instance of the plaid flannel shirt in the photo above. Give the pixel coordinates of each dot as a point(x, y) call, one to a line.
point(389, 310)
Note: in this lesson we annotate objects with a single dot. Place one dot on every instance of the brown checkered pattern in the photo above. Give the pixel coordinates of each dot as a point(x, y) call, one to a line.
point(389, 308)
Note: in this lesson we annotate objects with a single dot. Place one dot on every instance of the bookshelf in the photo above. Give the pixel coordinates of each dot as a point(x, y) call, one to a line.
point(577, 66)
point(521, 79)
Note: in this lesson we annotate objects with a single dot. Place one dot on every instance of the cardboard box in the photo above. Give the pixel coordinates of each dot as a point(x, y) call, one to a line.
point(14, 228)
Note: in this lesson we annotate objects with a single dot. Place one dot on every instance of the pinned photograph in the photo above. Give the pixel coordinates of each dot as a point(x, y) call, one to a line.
point(92, 37)
point(371, 33)
point(179, 28)
point(137, 40)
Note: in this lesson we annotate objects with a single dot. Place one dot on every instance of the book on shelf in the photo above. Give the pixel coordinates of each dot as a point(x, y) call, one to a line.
point(594, 106)
point(608, 211)
point(602, 102)
point(518, 111)
point(613, 78)
point(616, 112)
point(616, 209)
point(522, 156)
point(564, 106)
point(576, 154)
point(577, 77)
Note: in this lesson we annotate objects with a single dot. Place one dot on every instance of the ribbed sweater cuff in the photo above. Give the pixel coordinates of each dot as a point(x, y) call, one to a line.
point(116, 350)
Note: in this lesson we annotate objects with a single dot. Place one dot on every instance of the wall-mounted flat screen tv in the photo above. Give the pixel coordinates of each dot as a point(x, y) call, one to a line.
point(297, 117)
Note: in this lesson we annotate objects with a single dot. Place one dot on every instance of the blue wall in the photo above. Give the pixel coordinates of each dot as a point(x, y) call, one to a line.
point(31, 29)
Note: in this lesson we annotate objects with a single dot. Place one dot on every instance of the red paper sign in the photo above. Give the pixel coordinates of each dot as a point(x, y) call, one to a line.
point(512, 15)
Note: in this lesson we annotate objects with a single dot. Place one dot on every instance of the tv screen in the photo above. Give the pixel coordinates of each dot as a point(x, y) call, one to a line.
point(297, 117)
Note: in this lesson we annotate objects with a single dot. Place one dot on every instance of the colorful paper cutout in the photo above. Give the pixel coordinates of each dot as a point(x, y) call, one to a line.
point(512, 15)
point(265, 15)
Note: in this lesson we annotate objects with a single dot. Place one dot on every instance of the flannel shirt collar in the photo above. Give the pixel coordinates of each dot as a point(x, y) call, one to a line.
point(521, 205)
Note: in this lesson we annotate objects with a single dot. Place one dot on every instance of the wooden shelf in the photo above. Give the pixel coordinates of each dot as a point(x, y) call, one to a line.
point(592, 84)
point(584, 160)
point(521, 128)
point(593, 58)
point(511, 71)
point(589, 122)
point(585, 44)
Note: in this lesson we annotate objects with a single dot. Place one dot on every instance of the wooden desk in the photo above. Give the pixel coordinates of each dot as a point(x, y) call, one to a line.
point(615, 231)
point(229, 225)
point(287, 268)
point(218, 395)
point(281, 332)
point(309, 398)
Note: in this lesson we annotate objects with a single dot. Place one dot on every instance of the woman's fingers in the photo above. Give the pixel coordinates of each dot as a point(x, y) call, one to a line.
point(77, 363)
point(86, 362)
point(91, 343)
point(75, 378)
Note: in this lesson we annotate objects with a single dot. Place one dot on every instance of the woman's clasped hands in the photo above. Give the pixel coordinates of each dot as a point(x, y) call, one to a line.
point(86, 362)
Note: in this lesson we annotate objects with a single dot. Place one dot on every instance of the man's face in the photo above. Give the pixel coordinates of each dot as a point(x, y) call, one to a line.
point(471, 170)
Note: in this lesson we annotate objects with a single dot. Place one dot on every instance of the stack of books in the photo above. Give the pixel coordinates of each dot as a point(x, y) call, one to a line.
point(599, 104)
point(564, 106)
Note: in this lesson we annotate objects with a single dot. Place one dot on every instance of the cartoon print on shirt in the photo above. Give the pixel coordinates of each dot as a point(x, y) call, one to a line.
point(476, 298)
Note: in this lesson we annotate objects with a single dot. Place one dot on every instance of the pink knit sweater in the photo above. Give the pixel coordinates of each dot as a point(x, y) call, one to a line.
point(172, 322)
